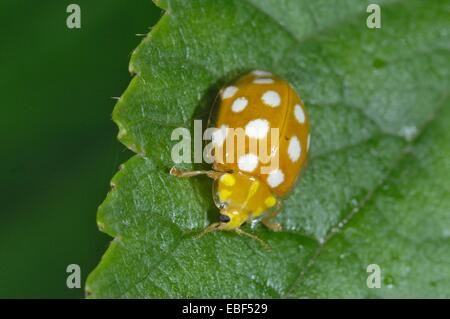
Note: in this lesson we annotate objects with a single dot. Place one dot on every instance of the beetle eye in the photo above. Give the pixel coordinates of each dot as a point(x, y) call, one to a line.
point(224, 218)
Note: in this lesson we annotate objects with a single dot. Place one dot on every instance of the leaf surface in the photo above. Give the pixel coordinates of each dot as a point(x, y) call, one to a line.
point(376, 187)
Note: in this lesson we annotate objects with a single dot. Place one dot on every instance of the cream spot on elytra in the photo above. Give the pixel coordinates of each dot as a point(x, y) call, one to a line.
point(239, 104)
point(294, 149)
point(229, 92)
point(248, 162)
point(275, 178)
point(299, 114)
point(263, 81)
point(219, 135)
point(257, 128)
point(271, 98)
point(261, 73)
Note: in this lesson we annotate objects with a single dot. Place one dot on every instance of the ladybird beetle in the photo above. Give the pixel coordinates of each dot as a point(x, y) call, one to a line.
point(249, 186)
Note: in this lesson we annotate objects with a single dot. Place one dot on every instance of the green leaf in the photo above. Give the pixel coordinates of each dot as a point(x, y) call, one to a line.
point(376, 190)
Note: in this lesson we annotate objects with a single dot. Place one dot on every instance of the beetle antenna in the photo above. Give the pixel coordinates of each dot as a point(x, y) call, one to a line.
point(262, 242)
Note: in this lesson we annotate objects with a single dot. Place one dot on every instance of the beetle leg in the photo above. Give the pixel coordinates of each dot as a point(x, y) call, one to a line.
point(267, 221)
point(217, 168)
point(211, 228)
point(212, 174)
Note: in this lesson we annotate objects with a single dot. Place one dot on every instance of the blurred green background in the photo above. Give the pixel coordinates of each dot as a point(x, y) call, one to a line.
point(59, 147)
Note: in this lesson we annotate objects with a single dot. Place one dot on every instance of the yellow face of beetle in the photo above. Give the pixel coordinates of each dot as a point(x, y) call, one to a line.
point(240, 198)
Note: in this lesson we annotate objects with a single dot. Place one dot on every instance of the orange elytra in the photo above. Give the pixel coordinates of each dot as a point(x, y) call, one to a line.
point(260, 146)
